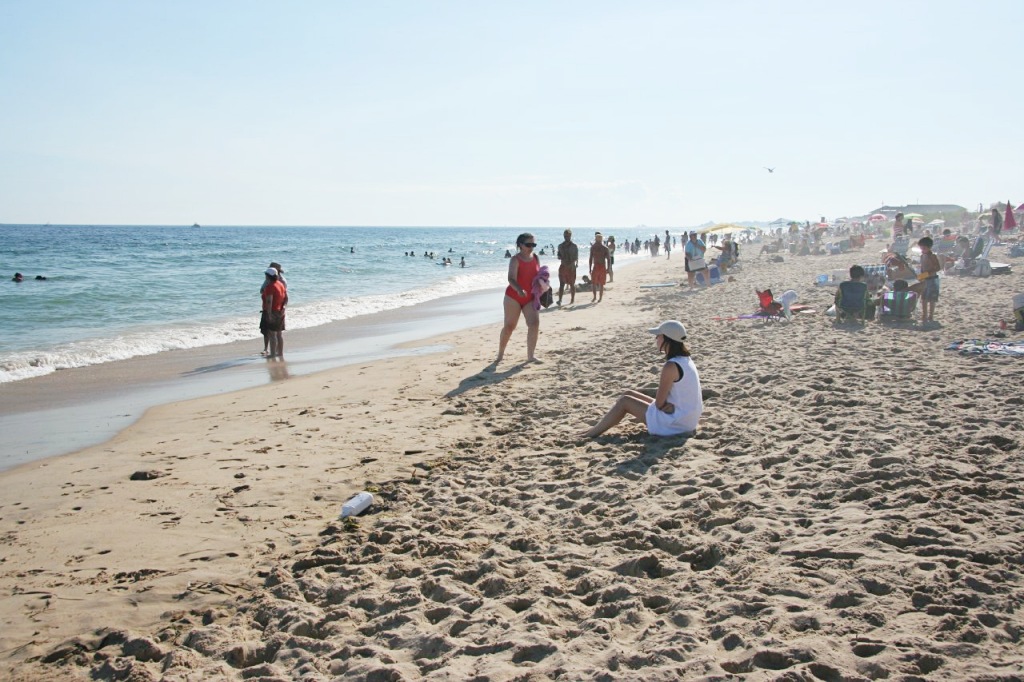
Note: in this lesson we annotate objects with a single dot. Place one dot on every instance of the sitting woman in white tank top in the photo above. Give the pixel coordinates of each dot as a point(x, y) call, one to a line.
point(676, 407)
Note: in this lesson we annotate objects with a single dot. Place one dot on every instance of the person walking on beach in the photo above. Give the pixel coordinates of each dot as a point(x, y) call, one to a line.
point(568, 261)
point(274, 299)
point(668, 246)
point(693, 260)
point(997, 223)
point(611, 258)
point(678, 403)
point(599, 257)
point(522, 269)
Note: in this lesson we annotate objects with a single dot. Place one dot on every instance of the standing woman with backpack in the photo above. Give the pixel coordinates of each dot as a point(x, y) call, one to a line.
point(522, 269)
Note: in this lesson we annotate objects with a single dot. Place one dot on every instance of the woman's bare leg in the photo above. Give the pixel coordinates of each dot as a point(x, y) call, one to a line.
point(532, 330)
point(639, 395)
point(625, 405)
point(512, 310)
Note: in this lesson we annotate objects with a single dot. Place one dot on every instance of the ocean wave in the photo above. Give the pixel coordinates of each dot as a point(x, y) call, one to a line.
point(149, 340)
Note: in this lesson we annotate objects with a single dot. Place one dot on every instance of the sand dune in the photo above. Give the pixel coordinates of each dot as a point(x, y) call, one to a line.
point(850, 509)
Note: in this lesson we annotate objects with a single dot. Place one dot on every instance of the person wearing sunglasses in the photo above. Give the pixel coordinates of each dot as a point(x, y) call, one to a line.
point(522, 269)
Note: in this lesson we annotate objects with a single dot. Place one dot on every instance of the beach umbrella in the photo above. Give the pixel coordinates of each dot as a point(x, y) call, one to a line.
point(877, 218)
point(725, 227)
point(1010, 222)
point(912, 215)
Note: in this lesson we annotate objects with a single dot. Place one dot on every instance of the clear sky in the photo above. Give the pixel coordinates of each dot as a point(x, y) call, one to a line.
point(517, 113)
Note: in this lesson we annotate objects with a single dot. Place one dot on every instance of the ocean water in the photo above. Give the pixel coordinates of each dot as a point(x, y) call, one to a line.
point(116, 292)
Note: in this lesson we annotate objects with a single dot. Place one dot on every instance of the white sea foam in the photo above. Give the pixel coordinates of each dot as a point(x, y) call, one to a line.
point(149, 340)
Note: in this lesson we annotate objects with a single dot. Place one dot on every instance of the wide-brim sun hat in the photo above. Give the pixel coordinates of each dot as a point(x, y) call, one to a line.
point(670, 329)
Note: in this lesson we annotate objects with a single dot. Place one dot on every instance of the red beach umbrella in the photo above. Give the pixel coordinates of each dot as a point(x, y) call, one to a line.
point(877, 217)
point(1010, 222)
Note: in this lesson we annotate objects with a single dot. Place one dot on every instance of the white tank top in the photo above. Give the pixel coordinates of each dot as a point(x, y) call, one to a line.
point(685, 396)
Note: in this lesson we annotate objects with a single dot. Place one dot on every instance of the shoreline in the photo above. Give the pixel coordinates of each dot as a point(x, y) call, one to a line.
point(71, 409)
point(68, 410)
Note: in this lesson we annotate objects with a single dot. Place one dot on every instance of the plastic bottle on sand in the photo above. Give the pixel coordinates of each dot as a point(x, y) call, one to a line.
point(357, 504)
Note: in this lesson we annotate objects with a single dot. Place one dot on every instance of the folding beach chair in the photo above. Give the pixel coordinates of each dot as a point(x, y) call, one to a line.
point(900, 245)
point(943, 246)
point(976, 261)
point(898, 306)
point(872, 270)
point(767, 307)
point(851, 301)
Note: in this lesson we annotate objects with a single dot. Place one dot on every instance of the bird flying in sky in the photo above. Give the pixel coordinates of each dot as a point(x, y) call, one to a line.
point(770, 170)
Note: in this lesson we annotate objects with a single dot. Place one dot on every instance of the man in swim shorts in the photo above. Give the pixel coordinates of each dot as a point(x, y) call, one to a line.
point(568, 261)
point(599, 256)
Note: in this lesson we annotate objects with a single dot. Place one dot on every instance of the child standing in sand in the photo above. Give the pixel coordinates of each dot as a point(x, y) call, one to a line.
point(928, 280)
point(676, 407)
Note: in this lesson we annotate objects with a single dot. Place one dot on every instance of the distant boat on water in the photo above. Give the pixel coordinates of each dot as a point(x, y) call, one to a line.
point(195, 224)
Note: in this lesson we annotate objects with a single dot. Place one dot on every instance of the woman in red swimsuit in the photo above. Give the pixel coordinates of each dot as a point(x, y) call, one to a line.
point(522, 268)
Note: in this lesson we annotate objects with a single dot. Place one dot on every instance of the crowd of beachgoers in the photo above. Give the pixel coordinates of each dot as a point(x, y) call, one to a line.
point(848, 508)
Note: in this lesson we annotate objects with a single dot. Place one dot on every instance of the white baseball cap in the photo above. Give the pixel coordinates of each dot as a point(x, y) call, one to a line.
point(670, 329)
point(271, 272)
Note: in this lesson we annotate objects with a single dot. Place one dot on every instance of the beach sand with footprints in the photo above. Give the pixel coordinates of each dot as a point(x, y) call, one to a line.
point(851, 509)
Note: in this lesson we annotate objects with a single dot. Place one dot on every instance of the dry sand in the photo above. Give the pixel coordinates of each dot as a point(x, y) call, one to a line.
point(851, 509)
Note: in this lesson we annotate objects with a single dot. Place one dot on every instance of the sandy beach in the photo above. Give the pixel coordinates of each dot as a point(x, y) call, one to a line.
point(850, 509)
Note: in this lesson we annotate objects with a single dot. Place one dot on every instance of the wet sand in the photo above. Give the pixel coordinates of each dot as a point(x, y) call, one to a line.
point(74, 408)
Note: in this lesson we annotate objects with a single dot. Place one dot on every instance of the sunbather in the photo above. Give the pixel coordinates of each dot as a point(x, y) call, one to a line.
point(898, 267)
point(676, 407)
point(853, 298)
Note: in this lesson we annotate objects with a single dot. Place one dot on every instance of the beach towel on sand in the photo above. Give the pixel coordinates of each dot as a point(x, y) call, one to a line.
point(988, 347)
point(758, 316)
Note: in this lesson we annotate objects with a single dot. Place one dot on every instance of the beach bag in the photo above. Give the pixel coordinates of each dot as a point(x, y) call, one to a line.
point(697, 264)
point(547, 298)
point(983, 269)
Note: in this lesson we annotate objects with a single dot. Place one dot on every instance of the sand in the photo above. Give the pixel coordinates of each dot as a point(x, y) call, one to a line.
point(850, 509)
